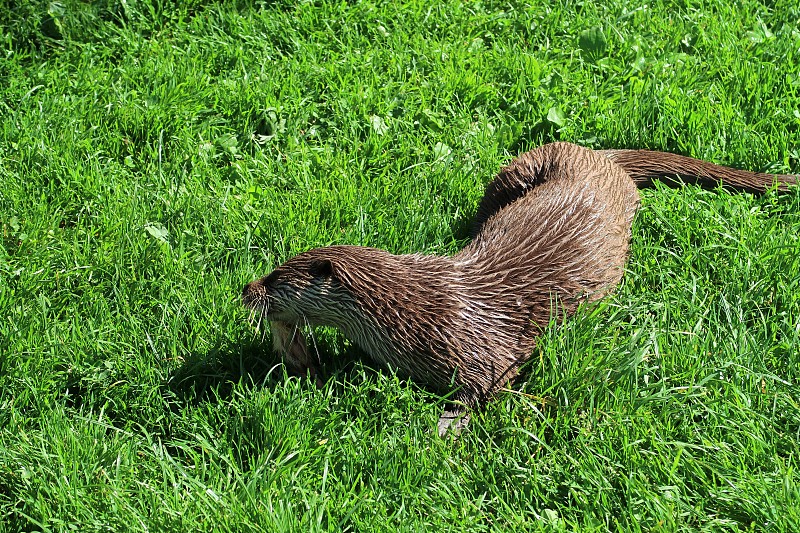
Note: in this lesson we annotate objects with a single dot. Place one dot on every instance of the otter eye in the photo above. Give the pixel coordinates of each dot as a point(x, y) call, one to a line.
point(320, 268)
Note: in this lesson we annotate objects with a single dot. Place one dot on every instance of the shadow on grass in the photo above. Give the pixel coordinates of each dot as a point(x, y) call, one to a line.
point(212, 376)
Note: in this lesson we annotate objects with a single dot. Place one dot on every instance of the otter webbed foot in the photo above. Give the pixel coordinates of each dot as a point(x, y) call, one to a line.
point(453, 420)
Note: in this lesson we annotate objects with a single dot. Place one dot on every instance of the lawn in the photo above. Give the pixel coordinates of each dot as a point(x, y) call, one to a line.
point(156, 155)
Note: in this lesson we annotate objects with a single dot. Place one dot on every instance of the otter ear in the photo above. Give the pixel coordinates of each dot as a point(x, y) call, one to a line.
point(321, 268)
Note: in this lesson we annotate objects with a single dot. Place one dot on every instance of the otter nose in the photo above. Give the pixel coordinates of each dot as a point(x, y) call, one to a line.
point(254, 287)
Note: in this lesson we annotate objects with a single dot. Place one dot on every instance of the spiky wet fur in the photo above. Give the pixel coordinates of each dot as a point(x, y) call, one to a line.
point(552, 231)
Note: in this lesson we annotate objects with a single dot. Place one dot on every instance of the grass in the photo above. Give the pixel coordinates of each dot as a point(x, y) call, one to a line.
point(155, 156)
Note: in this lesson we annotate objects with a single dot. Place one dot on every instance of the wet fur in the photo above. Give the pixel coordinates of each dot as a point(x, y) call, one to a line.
point(552, 231)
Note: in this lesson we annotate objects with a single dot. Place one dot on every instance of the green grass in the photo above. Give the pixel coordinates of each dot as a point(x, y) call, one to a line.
point(154, 157)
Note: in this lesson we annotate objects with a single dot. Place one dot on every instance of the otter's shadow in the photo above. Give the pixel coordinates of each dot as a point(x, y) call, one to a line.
point(212, 376)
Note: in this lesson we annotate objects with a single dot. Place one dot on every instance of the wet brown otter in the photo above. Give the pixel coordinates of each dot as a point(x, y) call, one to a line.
point(553, 229)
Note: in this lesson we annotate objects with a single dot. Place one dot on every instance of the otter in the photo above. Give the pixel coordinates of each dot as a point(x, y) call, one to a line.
point(551, 232)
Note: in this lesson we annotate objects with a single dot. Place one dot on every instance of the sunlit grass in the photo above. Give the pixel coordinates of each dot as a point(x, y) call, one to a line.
point(154, 158)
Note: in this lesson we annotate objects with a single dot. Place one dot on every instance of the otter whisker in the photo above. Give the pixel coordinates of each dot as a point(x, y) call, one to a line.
point(295, 331)
point(257, 317)
point(313, 338)
point(262, 320)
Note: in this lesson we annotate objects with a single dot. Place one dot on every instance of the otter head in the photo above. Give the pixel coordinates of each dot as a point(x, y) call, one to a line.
point(352, 288)
point(304, 290)
point(301, 292)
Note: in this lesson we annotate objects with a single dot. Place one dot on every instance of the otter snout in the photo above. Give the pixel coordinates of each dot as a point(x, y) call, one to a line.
point(251, 286)
point(252, 292)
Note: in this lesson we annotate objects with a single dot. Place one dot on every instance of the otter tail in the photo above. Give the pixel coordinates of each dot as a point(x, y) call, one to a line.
point(646, 166)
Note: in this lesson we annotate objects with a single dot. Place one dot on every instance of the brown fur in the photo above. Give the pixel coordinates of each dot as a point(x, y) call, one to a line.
point(553, 229)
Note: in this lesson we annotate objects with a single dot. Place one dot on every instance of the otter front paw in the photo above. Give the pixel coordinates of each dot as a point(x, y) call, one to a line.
point(289, 342)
